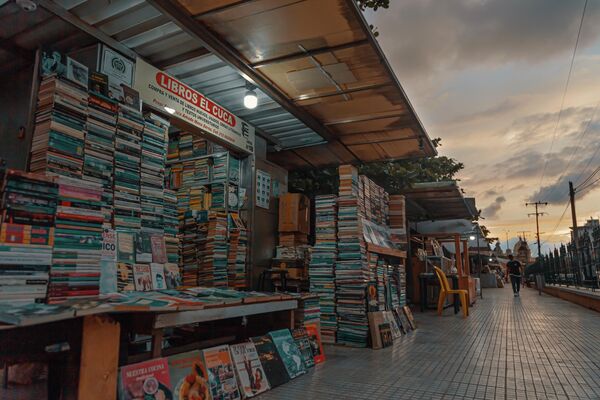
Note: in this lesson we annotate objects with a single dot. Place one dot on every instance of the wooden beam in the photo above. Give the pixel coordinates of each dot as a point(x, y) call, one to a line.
point(304, 97)
point(99, 358)
point(91, 30)
point(9, 46)
point(182, 58)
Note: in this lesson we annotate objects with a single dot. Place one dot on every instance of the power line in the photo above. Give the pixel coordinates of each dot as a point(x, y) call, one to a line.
point(564, 95)
point(590, 176)
point(588, 163)
point(557, 224)
point(588, 186)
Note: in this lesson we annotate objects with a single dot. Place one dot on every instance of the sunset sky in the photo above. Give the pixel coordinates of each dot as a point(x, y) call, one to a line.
point(488, 77)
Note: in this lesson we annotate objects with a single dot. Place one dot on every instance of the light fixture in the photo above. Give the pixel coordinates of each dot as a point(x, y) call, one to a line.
point(250, 99)
point(491, 259)
point(169, 110)
point(471, 237)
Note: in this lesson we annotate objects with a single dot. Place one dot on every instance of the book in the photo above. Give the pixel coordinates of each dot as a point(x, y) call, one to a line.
point(301, 338)
point(271, 361)
point(221, 373)
point(108, 277)
point(386, 337)
point(314, 336)
point(159, 249)
point(77, 72)
point(98, 82)
point(172, 276)
point(142, 276)
point(251, 375)
point(158, 276)
point(125, 281)
point(126, 247)
point(289, 352)
point(189, 377)
point(145, 380)
point(409, 316)
point(143, 247)
point(35, 313)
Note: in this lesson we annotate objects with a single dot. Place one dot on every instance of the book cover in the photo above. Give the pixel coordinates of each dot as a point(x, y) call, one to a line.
point(159, 249)
point(301, 338)
point(77, 72)
point(409, 315)
point(270, 360)
point(221, 373)
point(109, 244)
point(125, 247)
point(289, 352)
point(99, 83)
point(131, 97)
point(172, 276)
point(148, 380)
point(158, 276)
point(314, 336)
point(142, 276)
point(385, 332)
point(388, 317)
point(250, 372)
point(143, 248)
point(189, 376)
point(108, 277)
point(125, 277)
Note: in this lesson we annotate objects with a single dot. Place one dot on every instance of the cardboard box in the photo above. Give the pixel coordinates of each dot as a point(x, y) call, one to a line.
point(294, 213)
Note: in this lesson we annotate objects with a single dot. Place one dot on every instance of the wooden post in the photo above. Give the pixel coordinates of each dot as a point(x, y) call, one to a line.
point(458, 255)
point(157, 339)
point(466, 257)
point(99, 358)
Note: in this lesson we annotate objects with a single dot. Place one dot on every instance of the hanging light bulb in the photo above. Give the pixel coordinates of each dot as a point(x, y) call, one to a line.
point(169, 110)
point(250, 99)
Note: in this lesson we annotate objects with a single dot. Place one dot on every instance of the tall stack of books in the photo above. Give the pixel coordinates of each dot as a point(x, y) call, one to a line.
point(397, 280)
point(190, 236)
point(351, 270)
point(171, 226)
point(199, 146)
point(75, 271)
point(128, 151)
point(99, 155)
point(397, 212)
point(382, 275)
point(321, 270)
point(60, 124)
point(26, 236)
point(236, 260)
point(186, 145)
point(154, 139)
point(308, 311)
point(374, 201)
point(213, 268)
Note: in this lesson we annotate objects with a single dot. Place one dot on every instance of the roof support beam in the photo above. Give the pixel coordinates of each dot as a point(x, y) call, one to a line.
point(182, 58)
point(379, 141)
point(9, 46)
point(372, 117)
point(91, 30)
point(314, 52)
point(197, 30)
point(342, 92)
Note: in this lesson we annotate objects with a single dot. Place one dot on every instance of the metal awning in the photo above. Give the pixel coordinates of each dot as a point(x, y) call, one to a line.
point(326, 92)
point(434, 201)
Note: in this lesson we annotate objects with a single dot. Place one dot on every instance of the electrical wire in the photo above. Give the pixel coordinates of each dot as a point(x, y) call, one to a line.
point(590, 176)
point(589, 185)
point(557, 225)
point(564, 95)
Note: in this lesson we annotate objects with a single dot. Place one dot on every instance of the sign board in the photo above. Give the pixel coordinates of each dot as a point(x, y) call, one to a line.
point(109, 244)
point(119, 70)
point(162, 91)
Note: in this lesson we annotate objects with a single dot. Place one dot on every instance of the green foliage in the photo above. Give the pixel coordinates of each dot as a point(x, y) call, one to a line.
point(374, 4)
point(393, 176)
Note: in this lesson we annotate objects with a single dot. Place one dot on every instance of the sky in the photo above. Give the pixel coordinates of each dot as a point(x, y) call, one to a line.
point(489, 78)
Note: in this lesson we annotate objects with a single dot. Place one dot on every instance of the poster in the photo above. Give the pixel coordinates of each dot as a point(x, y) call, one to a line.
point(165, 93)
point(109, 244)
point(263, 188)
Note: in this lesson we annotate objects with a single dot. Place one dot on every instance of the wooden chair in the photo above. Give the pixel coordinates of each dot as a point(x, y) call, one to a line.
point(446, 291)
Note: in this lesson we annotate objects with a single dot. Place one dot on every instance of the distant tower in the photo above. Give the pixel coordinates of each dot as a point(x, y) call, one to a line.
point(522, 252)
point(498, 250)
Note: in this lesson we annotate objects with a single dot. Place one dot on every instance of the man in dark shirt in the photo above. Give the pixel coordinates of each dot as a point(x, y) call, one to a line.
point(514, 271)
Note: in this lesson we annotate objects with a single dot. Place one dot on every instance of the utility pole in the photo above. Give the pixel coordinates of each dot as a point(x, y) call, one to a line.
point(575, 230)
point(537, 222)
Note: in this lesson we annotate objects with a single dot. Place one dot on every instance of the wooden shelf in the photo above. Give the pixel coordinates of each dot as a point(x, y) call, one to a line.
point(386, 251)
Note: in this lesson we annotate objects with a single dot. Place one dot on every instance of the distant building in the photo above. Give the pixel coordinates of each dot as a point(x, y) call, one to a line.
point(498, 250)
point(522, 252)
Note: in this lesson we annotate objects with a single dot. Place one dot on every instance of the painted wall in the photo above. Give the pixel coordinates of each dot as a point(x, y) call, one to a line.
point(14, 108)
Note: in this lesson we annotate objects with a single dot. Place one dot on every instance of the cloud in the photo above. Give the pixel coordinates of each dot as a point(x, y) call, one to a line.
point(451, 34)
point(492, 210)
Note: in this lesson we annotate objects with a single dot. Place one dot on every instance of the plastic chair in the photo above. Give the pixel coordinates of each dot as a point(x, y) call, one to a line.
point(446, 291)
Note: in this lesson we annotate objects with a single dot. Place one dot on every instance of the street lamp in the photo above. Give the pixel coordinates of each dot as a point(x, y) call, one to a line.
point(473, 237)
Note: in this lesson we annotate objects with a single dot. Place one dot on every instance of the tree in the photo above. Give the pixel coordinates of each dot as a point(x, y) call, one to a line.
point(374, 5)
point(393, 176)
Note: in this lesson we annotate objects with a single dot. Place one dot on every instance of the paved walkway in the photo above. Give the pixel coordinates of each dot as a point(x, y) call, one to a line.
point(532, 347)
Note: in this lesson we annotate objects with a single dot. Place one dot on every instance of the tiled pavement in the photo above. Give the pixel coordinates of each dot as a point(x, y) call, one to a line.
point(532, 347)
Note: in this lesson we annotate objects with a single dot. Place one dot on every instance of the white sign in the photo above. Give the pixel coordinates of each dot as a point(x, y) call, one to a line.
point(119, 70)
point(263, 189)
point(162, 91)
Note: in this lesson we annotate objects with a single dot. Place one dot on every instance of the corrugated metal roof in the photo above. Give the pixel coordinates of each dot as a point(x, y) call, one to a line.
point(349, 56)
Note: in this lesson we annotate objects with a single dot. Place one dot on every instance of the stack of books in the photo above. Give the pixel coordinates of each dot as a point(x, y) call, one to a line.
point(191, 234)
point(99, 155)
point(236, 260)
point(321, 269)
point(60, 123)
point(75, 271)
point(213, 268)
point(199, 146)
point(373, 201)
point(128, 150)
point(382, 277)
point(397, 221)
point(154, 140)
point(26, 236)
point(173, 148)
point(351, 270)
point(397, 279)
point(171, 226)
point(219, 167)
point(186, 145)
point(308, 311)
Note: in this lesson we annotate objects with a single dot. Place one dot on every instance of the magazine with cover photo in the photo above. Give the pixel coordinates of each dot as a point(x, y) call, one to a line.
point(250, 372)
point(314, 336)
point(301, 338)
point(270, 360)
point(188, 376)
point(289, 352)
point(221, 373)
point(148, 380)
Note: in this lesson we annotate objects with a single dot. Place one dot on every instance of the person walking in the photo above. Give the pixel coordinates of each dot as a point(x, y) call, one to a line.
point(514, 271)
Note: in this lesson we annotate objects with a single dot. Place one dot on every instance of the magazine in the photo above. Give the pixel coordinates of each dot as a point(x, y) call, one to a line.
point(270, 360)
point(314, 336)
point(147, 380)
point(289, 352)
point(158, 276)
point(301, 338)
point(188, 376)
point(250, 372)
point(142, 276)
point(221, 373)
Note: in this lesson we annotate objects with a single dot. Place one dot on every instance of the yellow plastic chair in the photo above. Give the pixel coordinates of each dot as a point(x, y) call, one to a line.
point(446, 291)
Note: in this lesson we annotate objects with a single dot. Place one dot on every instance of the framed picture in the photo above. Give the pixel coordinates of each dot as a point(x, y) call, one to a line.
point(77, 72)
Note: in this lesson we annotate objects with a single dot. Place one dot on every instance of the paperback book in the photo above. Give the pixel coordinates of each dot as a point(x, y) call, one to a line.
point(221, 373)
point(289, 352)
point(251, 375)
